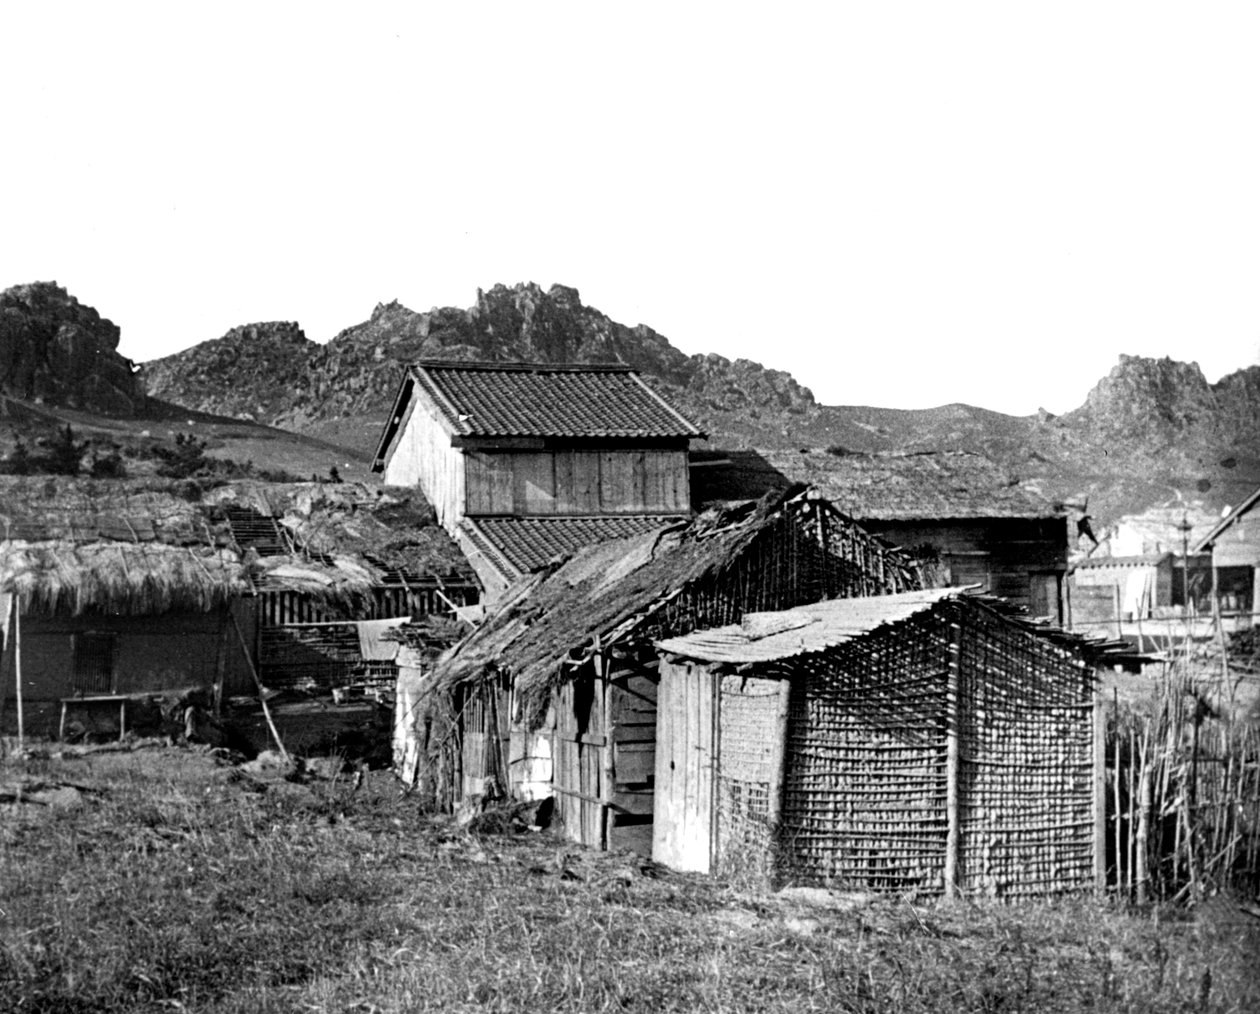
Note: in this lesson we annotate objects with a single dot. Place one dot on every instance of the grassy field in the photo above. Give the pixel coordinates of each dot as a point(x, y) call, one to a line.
point(159, 879)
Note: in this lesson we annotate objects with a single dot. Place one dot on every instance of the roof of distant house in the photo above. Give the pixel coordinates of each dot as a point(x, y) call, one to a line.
point(538, 399)
point(525, 544)
point(937, 485)
point(1230, 519)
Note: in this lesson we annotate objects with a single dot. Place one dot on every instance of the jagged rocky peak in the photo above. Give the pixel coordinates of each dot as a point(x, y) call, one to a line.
point(55, 349)
point(1142, 394)
point(250, 372)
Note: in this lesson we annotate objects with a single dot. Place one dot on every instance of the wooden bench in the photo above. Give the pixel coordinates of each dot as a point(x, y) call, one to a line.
point(94, 700)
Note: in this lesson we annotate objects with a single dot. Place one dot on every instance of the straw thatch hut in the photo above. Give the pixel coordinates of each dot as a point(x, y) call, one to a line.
point(555, 693)
point(131, 589)
point(929, 741)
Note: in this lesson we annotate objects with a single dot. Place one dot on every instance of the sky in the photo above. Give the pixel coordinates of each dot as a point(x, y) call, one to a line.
point(902, 204)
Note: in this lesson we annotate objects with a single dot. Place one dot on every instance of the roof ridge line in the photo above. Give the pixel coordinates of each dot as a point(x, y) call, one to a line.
point(522, 366)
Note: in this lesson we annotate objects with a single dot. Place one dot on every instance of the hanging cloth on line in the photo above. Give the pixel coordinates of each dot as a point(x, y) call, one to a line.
point(372, 644)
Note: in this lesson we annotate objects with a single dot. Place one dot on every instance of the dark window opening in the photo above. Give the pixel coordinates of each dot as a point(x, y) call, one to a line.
point(93, 664)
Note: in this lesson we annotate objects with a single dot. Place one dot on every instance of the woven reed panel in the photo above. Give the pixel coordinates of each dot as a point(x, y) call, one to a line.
point(1025, 776)
point(864, 792)
point(747, 709)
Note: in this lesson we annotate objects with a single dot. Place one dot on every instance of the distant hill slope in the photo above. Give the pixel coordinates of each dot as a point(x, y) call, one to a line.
point(1151, 431)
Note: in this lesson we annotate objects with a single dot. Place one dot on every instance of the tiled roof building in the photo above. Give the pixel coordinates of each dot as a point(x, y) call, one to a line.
point(523, 462)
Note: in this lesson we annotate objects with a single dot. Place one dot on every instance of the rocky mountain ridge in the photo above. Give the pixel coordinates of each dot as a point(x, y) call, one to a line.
point(1150, 431)
point(355, 375)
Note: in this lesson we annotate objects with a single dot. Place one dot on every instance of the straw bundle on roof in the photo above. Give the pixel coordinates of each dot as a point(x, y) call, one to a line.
point(124, 578)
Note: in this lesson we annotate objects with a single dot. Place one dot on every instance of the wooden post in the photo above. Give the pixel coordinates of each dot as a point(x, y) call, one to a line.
point(774, 810)
point(715, 770)
point(953, 712)
point(220, 666)
point(17, 667)
point(609, 777)
point(1100, 794)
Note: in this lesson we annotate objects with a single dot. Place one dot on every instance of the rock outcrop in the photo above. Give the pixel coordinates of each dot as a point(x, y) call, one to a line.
point(1162, 401)
point(53, 349)
point(253, 372)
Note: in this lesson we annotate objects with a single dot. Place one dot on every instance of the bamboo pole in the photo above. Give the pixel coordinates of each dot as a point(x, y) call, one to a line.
point(952, 751)
point(1144, 809)
point(1100, 794)
point(262, 693)
point(1133, 805)
point(1115, 795)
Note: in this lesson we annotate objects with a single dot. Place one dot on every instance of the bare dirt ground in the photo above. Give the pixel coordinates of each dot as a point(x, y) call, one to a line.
point(155, 879)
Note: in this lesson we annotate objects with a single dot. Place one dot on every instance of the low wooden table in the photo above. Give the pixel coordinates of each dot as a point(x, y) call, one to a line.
point(92, 700)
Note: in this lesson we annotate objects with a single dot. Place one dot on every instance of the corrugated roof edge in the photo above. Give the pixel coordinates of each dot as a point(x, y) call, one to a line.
point(522, 367)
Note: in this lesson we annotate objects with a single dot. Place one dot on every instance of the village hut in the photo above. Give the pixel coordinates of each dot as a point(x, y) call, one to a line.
point(122, 592)
point(957, 511)
point(932, 741)
point(554, 695)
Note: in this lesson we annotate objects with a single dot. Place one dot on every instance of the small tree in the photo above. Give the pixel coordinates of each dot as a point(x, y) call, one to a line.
point(19, 461)
point(185, 460)
point(110, 466)
point(65, 454)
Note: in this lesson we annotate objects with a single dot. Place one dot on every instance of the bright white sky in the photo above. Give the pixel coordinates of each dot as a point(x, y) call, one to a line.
point(903, 204)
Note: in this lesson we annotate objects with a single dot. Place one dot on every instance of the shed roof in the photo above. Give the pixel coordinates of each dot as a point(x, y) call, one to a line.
point(922, 486)
point(808, 629)
point(538, 399)
point(605, 591)
point(768, 637)
point(525, 544)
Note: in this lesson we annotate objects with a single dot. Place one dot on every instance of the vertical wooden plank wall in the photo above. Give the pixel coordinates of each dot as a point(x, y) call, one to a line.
point(424, 457)
point(683, 833)
point(568, 482)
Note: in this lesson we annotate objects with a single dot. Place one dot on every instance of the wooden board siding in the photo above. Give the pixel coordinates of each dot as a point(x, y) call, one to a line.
point(423, 456)
point(489, 483)
point(572, 482)
point(578, 751)
point(683, 832)
point(1010, 557)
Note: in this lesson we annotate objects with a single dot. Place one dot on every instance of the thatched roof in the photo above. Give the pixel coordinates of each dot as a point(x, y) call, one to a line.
point(603, 593)
point(938, 485)
point(61, 576)
point(140, 547)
